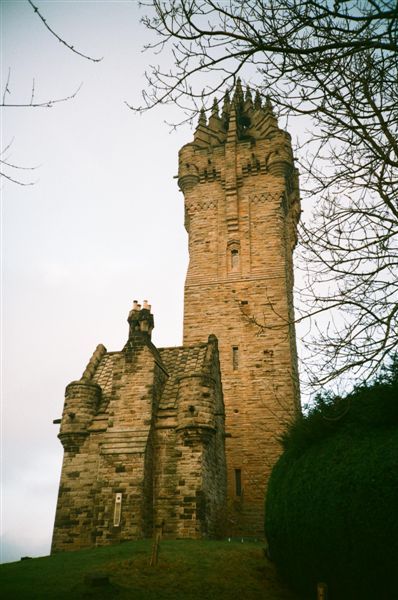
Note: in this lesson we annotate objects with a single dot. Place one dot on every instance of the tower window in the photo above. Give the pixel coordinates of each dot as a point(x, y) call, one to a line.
point(234, 259)
point(235, 357)
point(238, 482)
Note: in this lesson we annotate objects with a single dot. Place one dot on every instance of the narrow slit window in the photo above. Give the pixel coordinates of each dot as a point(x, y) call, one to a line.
point(235, 357)
point(118, 510)
point(234, 259)
point(238, 482)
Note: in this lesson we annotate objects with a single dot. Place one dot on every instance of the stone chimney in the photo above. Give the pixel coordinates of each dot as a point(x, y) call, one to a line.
point(140, 320)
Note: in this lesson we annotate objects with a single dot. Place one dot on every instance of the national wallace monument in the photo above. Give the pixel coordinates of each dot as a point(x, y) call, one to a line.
point(182, 440)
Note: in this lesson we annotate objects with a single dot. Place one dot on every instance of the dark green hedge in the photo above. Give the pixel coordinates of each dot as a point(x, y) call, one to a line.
point(332, 502)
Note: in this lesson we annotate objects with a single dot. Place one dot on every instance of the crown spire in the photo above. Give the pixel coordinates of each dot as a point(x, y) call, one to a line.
point(202, 117)
point(268, 105)
point(238, 96)
point(214, 109)
point(257, 101)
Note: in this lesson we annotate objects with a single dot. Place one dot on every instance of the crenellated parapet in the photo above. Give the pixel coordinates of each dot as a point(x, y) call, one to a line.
point(230, 147)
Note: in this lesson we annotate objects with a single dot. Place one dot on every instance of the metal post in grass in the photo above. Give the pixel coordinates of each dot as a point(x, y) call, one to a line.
point(322, 591)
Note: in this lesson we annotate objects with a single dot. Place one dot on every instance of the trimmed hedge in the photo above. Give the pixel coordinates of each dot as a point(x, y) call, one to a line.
point(332, 501)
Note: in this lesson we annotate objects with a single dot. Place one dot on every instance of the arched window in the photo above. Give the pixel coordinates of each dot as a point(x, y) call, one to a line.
point(234, 259)
point(233, 256)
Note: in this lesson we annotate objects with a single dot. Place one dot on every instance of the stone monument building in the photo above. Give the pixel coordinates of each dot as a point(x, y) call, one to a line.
point(184, 439)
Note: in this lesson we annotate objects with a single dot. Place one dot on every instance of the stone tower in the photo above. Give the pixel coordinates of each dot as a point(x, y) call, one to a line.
point(241, 212)
point(183, 439)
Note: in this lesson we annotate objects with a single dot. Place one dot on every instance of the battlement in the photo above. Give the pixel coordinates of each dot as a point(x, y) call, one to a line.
point(247, 128)
point(242, 119)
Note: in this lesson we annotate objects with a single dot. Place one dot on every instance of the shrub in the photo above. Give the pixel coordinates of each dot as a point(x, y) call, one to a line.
point(332, 502)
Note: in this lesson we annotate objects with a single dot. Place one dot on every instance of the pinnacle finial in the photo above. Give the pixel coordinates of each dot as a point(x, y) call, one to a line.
point(202, 117)
point(238, 96)
point(268, 105)
point(214, 109)
point(257, 101)
point(248, 94)
point(227, 101)
point(226, 109)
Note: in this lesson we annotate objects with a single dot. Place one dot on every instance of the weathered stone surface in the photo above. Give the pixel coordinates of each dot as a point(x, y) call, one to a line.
point(136, 456)
point(241, 211)
point(148, 443)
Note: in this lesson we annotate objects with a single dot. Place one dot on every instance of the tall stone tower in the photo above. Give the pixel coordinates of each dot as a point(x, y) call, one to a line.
point(241, 212)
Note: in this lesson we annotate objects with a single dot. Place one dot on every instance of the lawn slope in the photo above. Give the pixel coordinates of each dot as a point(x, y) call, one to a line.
point(187, 570)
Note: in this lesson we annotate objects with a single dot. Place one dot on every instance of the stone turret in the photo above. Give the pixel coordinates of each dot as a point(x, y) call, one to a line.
point(196, 405)
point(197, 398)
point(82, 400)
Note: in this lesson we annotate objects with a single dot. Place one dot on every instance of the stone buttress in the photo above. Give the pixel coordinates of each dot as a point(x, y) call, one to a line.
point(241, 212)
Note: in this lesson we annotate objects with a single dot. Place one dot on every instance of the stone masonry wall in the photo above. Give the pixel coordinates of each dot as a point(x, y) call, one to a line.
point(116, 457)
point(191, 475)
point(239, 287)
point(133, 464)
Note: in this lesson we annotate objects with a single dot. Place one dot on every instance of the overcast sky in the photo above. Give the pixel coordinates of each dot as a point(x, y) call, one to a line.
point(101, 226)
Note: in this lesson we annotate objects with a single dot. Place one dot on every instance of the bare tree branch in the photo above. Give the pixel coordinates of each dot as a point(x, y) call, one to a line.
point(5, 164)
point(60, 39)
point(337, 64)
point(33, 103)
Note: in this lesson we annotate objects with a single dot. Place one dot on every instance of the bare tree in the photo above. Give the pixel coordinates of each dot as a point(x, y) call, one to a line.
point(336, 63)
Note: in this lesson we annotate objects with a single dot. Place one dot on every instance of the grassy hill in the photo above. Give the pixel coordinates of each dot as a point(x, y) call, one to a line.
point(186, 570)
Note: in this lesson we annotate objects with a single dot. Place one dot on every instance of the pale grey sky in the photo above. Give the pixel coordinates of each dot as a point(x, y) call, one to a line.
point(102, 225)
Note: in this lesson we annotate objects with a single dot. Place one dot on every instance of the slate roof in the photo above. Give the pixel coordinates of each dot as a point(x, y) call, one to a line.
point(180, 361)
point(104, 375)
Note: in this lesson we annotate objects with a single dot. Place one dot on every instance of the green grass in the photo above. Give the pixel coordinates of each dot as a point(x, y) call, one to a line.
point(186, 570)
